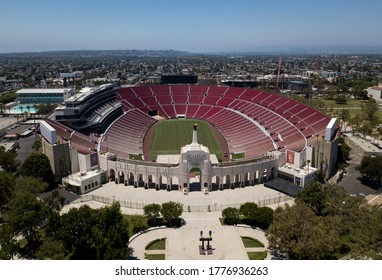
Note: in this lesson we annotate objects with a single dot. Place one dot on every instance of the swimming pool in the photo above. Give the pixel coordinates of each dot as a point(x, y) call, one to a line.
point(23, 108)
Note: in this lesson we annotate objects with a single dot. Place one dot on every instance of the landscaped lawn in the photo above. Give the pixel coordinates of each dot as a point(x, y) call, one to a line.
point(257, 255)
point(250, 242)
point(159, 244)
point(157, 257)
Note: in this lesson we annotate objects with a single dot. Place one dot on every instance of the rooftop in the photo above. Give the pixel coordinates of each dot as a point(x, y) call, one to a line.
point(78, 177)
point(44, 90)
point(298, 172)
point(367, 146)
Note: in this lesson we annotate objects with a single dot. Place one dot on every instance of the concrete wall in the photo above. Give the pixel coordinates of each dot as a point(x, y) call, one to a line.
point(58, 156)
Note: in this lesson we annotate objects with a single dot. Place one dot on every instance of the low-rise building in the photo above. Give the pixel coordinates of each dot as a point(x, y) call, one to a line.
point(44, 95)
point(375, 92)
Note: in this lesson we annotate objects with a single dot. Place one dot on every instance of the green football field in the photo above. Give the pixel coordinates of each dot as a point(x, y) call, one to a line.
point(170, 135)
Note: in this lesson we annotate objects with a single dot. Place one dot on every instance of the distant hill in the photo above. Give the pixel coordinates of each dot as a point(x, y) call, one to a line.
point(101, 53)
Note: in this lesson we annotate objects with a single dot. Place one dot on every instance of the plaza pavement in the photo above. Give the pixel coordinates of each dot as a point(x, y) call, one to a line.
point(183, 243)
point(257, 193)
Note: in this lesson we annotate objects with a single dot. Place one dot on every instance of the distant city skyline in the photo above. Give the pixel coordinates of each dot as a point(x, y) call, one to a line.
point(193, 26)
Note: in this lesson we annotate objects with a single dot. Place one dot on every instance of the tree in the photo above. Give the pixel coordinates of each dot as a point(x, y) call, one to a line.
point(313, 196)
point(8, 244)
point(94, 233)
point(44, 109)
point(53, 206)
point(152, 213)
point(263, 217)
point(26, 213)
point(51, 249)
point(344, 116)
point(343, 153)
point(8, 161)
point(248, 209)
point(346, 226)
point(331, 92)
point(38, 166)
point(356, 122)
point(371, 166)
point(137, 223)
point(366, 128)
point(76, 232)
point(231, 216)
point(370, 108)
point(171, 212)
point(7, 184)
point(110, 234)
point(297, 233)
point(36, 146)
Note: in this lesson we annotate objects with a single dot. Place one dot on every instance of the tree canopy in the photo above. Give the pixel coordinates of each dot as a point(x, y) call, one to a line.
point(38, 166)
point(171, 212)
point(326, 223)
point(231, 216)
point(253, 215)
point(371, 166)
point(25, 212)
point(7, 184)
point(153, 214)
point(297, 233)
point(94, 233)
point(8, 161)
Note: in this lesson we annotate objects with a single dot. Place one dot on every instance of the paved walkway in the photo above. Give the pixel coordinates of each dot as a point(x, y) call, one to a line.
point(183, 243)
point(237, 196)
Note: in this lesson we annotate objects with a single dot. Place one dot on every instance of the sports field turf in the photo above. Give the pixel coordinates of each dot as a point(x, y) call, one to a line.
point(170, 135)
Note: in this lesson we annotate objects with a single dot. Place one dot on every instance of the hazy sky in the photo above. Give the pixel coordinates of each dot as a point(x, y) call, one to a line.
point(192, 25)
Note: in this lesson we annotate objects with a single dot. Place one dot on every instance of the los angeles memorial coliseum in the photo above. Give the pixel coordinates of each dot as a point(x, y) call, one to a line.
point(186, 138)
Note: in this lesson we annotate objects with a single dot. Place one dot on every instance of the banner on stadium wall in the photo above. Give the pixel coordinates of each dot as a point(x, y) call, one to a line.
point(290, 157)
point(93, 159)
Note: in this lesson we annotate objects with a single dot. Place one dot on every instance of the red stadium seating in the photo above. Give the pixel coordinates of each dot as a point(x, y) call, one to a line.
point(251, 121)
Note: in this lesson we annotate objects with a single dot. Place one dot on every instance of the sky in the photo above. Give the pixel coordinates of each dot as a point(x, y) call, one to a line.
point(193, 25)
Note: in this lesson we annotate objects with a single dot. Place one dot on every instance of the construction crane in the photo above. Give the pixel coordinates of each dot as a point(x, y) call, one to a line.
point(278, 73)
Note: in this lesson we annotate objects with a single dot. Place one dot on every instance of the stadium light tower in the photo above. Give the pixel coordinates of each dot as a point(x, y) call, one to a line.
point(278, 73)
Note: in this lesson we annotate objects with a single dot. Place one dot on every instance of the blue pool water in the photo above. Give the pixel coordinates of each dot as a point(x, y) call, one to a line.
point(19, 109)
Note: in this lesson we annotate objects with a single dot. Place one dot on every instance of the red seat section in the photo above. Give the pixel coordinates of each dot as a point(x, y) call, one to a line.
point(252, 121)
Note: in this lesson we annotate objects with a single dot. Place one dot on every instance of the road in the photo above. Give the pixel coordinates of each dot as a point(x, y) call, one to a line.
point(352, 181)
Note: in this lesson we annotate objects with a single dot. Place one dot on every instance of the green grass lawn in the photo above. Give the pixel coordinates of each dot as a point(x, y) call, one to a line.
point(237, 156)
point(135, 157)
point(158, 245)
point(257, 255)
point(155, 257)
point(171, 135)
point(250, 242)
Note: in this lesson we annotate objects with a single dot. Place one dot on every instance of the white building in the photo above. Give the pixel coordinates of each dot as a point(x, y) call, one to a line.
point(44, 95)
point(375, 92)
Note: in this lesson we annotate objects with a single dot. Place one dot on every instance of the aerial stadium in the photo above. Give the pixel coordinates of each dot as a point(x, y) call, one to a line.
point(186, 138)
